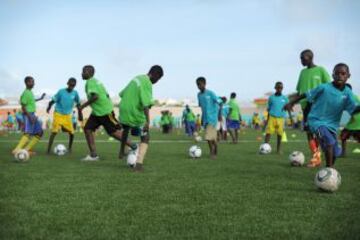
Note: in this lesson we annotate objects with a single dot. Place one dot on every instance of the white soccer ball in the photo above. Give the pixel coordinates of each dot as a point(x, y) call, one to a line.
point(297, 158)
point(265, 148)
point(198, 138)
point(131, 158)
point(328, 179)
point(60, 150)
point(195, 151)
point(22, 156)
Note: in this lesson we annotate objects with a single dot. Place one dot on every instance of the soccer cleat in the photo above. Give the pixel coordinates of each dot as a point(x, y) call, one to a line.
point(138, 168)
point(89, 158)
point(316, 160)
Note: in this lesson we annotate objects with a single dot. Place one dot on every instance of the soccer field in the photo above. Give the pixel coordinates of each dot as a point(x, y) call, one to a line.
point(241, 195)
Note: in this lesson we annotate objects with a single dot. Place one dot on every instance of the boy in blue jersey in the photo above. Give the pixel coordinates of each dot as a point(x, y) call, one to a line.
point(329, 100)
point(222, 125)
point(64, 101)
point(276, 115)
point(211, 113)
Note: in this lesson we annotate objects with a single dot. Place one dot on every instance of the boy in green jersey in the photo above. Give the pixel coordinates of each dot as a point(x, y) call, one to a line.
point(32, 126)
point(102, 112)
point(352, 128)
point(233, 118)
point(136, 100)
point(310, 77)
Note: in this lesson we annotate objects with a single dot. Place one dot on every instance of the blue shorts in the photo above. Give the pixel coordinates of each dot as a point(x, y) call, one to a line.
point(32, 129)
point(233, 124)
point(328, 138)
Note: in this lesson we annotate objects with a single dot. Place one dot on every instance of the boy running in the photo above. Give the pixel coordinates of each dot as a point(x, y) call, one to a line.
point(64, 101)
point(136, 100)
point(328, 101)
point(234, 118)
point(32, 125)
point(310, 77)
point(276, 116)
point(209, 104)
point(102, 112)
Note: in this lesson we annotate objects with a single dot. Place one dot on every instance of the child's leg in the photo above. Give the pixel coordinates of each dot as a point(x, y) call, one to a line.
point(23, 141)
point(37, 133)
point(278, 146)
point(344, 136)
point(267, 138)
point(329, 145)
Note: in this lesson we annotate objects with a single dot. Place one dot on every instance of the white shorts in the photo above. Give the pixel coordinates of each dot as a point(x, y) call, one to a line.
point(221, 124)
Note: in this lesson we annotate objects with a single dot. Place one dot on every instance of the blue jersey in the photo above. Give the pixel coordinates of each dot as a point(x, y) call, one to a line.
point(65, 101)
point(225, 110)
point(328, 104)
point(276, 105)
point(209, 104)
point(10, 119)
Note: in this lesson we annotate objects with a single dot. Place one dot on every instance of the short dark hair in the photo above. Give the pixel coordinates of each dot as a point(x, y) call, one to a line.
point(307, 51)
point(277, 83)
point(201, 79)
point(72, 80)
point(233, 95)
point(157, 69)
point(91, 68)
point(342, 65)
point(223, 99)
point(28, 78)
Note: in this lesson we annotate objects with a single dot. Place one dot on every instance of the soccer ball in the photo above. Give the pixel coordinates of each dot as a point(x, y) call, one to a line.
point(131, 159)
point(265, 148)
point(22, 156)
point(195, 151)
point(328, 179)
point(198, 138)
point(60, 149)
point(297, 158)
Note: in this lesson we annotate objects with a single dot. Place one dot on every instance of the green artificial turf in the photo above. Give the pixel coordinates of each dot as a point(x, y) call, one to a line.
point(241, 195)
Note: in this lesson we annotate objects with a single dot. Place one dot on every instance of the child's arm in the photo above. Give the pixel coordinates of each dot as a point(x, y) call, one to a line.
point(92, 99)
point(50, 105)
point(295, 99)
point(41, 98)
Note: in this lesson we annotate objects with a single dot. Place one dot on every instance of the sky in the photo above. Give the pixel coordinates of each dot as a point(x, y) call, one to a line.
point(240, 46)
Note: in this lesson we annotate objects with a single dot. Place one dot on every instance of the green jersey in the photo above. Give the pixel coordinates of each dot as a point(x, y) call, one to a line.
point(28, 100)
point(190, 116)
point(309, 79)
point(134, 98)
point(354, 123)
point(234, 110)
point(103, 105)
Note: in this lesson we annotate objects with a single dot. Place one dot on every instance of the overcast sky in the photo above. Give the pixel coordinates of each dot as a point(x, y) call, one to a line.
point(241, 46)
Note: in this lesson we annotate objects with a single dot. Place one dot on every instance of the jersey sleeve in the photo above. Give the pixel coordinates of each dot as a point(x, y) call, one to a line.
point(24, 99)
point(92, 87)
point(145, 94)
point(314, 93)
point(77, 98)
point(325, 76)
point(299, 83)
point(55, 98)
point(351, 104)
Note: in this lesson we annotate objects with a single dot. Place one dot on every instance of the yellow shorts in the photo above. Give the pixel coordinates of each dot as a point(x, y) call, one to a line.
point(210, 133)
point(62, 121)
point(275, 125)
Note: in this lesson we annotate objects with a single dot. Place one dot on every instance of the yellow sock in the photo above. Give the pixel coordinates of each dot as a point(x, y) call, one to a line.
point(34, 140)
point(23, 141)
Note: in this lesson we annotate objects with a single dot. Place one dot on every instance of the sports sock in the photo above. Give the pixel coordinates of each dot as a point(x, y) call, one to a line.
point(34, 140)
point(23, 141)
point(313, 146)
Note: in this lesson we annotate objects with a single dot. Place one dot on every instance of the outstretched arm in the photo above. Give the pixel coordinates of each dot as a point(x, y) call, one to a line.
point(92, 99)
point(296, 99)
point(49, 106)
point(41, 98)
